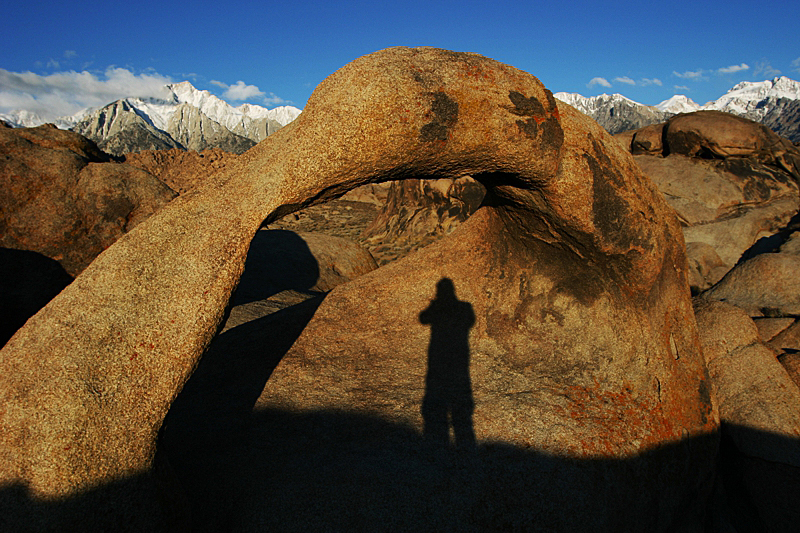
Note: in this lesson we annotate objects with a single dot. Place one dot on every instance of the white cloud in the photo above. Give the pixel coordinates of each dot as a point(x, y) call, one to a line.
point(682, 88)
point(796, 65)
point(763, 68)
point(67, 92)
point(689, 75)
point(69, 54)
point(598, 81)
point(733, 68)
point(241, 91)
point(274, 99)
point(53, 64)
point(625, 79)
point(644, 82)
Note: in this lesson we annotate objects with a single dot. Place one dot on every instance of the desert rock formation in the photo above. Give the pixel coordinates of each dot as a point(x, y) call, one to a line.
point(63, 197)
point(730, 180)
point(759, 407)
point(575, 272)
point(181, 171)
point(418, 211)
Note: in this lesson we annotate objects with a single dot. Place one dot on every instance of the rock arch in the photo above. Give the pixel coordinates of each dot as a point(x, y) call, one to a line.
point(573, 233)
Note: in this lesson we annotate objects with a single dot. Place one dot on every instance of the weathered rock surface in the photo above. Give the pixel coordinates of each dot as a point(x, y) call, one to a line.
point(647, 140)
point(769, 327)
point(180, 170)
point(371, 193)
point(791, 362)
point(418, 212)
point(721, 135)
point(587, 362)
point(63, 198)
point(731, 181)
point(765, 285)
point(788, 340)
point(759, 408)
point(705, 265)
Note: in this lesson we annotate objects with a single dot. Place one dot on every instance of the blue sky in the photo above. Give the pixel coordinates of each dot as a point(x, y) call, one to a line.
point(272, 53)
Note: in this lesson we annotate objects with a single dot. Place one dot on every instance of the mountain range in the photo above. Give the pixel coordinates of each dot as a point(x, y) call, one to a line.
point(190, 119)
point(184, 117)
point(775, 103)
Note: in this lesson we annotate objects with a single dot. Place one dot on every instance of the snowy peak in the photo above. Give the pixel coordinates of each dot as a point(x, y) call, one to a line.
point(22, 118)
point(588, 104)
point(780, 87)
point(678, 104)
point(615, 113)
point(212, 106)
point(751, 99)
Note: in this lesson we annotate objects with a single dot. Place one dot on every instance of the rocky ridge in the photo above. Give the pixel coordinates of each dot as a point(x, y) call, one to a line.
point(183, 118)
point(771, 102)
point(615, 113)
point(749, 178)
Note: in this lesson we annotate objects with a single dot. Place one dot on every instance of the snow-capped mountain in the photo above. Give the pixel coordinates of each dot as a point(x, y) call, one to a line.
point(678, 104)
point(231, 117)
point(775, 103)
point(614, 112)
point(182, 117)
point(23, 118)
point(751, 99)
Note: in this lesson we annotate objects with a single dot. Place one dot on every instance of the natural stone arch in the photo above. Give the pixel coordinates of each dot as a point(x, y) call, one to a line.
point(87, 382)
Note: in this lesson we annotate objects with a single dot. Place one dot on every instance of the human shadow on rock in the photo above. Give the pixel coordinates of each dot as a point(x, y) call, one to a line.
point(448, 387)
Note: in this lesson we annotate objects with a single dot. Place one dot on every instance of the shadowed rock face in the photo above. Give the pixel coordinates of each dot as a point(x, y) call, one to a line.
point(418, 212)
point(575, 271)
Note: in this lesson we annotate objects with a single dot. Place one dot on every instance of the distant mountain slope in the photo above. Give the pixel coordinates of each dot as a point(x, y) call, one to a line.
point(118, 129)
point(197, 131)
point(774, 103)
point(615, 112)
point(783, 117)
point(184, 117)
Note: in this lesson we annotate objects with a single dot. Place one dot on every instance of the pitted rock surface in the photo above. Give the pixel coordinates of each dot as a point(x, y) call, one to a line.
point(584, 347)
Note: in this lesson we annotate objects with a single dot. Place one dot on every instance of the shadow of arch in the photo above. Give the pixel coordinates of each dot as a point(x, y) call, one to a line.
point(271, 306)
point(28, 281)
